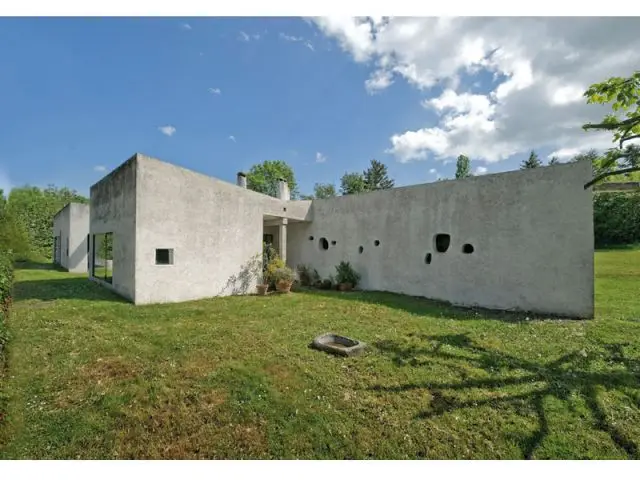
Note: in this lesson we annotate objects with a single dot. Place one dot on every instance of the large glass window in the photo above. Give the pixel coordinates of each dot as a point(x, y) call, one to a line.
point(103, 256)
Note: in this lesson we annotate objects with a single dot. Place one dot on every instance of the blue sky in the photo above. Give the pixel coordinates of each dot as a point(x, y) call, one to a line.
point(80, 94)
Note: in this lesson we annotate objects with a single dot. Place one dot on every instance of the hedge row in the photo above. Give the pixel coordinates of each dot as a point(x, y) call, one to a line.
point(6, 285)
point(616, 218)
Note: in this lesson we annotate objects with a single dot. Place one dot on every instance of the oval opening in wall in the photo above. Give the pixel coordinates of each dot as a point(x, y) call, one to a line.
point(442, 241)
point(360, 249)
point(467, 248)
point(427, 258)
point(323, 243)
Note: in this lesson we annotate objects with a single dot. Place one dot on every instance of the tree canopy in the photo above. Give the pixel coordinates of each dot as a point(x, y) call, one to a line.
point(375, 177)
point(532, 162)
point(463, 167)
point(33, 208)
point(263, 177)
point(624, 123)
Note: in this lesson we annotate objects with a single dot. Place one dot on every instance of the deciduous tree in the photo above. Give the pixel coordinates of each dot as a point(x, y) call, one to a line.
point(263, 177)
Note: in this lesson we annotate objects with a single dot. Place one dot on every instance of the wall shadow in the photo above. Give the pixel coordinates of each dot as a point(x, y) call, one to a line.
point(433, 308)
point(33, 265)
point(63, 289)
point(572, 374)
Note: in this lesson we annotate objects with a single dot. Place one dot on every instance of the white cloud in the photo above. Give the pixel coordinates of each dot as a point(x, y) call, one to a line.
point(215, 91)
point(565, 153)
point(185, 26)
point(433, 171)
point(246, 37)
point(290, 38)
point(540, 68)
point(480, 171)
point(168, 130)
point(232, 138)
point(309, 46)
point(320, 158)
point(378, 80)
point(100, 168)
point(5, 183)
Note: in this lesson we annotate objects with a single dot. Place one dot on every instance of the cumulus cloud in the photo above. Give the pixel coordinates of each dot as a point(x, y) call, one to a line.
point(100, 168)
point(480, 170)
point(232, 138)
point(215, 91)
point(167, 130)
point(539, 67)
point(320, 158)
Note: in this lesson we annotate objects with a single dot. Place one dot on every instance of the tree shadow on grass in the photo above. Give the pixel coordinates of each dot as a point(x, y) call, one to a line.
point(32, 265)
point(63, 289)
point(571, 374)
point(432, 308)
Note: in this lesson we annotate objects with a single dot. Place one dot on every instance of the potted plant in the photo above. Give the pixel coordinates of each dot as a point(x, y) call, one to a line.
point(284, 277)
point(346, 276)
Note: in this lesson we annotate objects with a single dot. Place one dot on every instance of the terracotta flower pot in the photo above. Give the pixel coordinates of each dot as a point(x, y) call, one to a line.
point(345, 287)
point(262, 289)
point(283, 286)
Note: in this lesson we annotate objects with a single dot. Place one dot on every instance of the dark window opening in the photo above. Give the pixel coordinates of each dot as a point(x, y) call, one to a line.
point(443, 240)
point(467, 248)
point(427, 259)
point(284, 209)
point(267, 238)
point(361, 249)
point(67, 248)
point(333, 242)
point(311, 237)
point(164, 256)
point(377, 243)
point(324, 244)
point(88, 242)
point(102, 258)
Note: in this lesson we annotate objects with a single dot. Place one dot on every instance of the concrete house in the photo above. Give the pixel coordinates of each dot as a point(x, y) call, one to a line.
point(519, 240)
point(71, 237)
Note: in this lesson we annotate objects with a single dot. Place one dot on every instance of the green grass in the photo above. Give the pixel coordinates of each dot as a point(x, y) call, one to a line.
point(90, 376)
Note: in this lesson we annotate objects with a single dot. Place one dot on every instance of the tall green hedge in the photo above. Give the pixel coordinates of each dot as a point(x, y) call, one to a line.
point(616, 218)
point(6, 285)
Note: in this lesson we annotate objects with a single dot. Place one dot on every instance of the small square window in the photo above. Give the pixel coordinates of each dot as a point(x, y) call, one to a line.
point(164, 256)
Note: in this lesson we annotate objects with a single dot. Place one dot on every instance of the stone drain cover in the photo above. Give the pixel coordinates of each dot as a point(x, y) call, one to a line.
point(337, 344)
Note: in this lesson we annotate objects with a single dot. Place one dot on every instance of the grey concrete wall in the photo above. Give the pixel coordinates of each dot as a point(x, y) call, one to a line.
point(113, 209)
point(214, 228)
point(61, 229)
point(72, 225)
point(532, 233)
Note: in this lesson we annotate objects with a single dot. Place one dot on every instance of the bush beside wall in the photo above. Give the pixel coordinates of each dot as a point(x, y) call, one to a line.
point(616, 218)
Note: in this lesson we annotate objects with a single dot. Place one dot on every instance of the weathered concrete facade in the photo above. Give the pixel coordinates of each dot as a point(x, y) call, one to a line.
point(70, 234)
point(212, 231)
point(517, 240)
point(531, 233)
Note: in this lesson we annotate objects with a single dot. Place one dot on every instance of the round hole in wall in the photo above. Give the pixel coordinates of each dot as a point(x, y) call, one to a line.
point(323, 243)
point(361, 249)
point(377, 243)
point(427, 258)
point(311, 238)
point(333, 242)
point(467, 248)
point(284, 209)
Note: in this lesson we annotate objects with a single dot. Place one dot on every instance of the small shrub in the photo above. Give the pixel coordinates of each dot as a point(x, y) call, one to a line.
point(271, 262)
point(315, 277)
point(346, 274)
point(326, 284)
point(284, 274)
point(305, 275)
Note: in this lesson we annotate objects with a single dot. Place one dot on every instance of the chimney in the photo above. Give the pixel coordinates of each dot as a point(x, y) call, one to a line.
point(242, 180)
point(283, 189)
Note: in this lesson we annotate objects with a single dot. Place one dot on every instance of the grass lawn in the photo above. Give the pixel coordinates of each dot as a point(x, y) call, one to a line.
point(90, 376)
